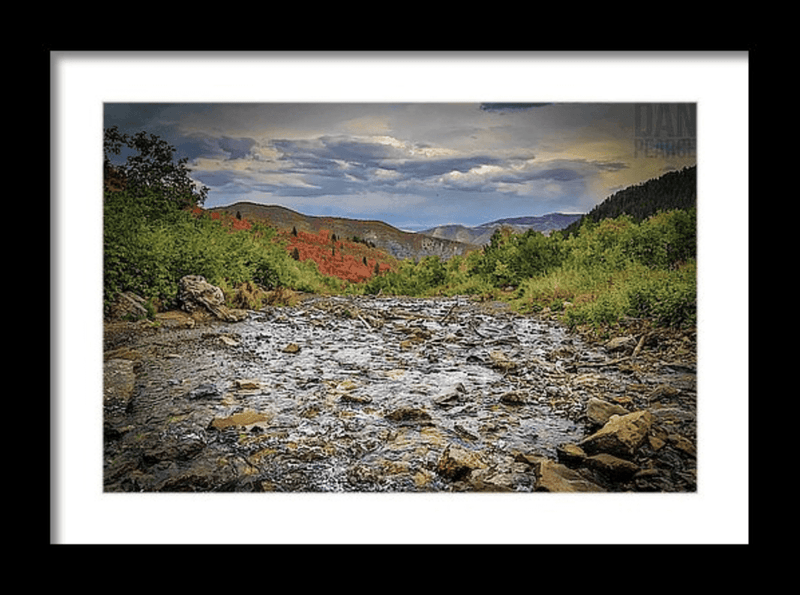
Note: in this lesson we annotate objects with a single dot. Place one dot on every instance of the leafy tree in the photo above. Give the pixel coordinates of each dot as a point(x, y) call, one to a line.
point(150, 172)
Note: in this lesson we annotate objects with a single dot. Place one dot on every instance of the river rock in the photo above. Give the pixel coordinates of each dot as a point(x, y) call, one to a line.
point(570, 454)
point(175, 319)
point(409, 414)
point(621, 344)
point(247, 384)
point(501, 362)
point(244, 419)
point(128, 305)
point(611, 466)
point(598, 411)
point(621, 435)
point(118, 382)
point(456, 463)
point(205, 391)
point(514, 397)
point(119, 379)
point(556, 477)
point(195, 293)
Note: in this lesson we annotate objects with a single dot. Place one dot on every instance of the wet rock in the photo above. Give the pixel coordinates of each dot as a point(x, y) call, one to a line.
point(599, 411)
point(500, 361)
point(556, 477)
point(456, 463)
point(663, 392)
point(410, 415)
point(243, 419)
point(292, 348)
point(614, 467)
point(174, 448)
point(505, 475)
point(621, 345)
point(570, 454)
point(621, 435)
point(247, 384)
point(514, 397)
point(119, 381)
point(452, 398)
point(683, 444)
point(205, 391)
point(128, 306)
point(359, 399)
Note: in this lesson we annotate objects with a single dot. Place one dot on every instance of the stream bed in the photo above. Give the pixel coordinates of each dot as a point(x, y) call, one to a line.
point(373, 394)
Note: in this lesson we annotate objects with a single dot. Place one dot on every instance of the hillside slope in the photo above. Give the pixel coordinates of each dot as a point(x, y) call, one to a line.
point(481, 235)
point(398, 243)
point(673, 190)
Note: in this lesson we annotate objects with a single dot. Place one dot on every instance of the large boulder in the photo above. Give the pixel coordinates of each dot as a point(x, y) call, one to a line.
point(621, 435)
point(128, 306)
point(555, 477)
point(599, 411)
point(195, 293)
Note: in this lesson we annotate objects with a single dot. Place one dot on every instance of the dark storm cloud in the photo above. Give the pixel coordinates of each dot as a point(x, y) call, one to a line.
point(560, 174)
point(225, 147)
point(345, 162)
point(506, 107)
point(432, 168)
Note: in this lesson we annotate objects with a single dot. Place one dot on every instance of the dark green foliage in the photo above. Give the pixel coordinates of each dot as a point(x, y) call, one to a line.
point(151, 240)
point(673, 190)
point(150, 172)
point(510, 258)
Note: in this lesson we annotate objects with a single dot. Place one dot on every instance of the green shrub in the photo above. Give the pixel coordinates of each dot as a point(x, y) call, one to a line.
point(669, 299)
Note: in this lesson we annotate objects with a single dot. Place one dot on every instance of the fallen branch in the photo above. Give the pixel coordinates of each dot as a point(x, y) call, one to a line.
point(449, 312)
point(366, 324)
point(639, 345)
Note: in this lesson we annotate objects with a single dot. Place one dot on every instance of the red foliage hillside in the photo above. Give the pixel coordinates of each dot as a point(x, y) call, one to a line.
point(336, 258)
point(232, 223)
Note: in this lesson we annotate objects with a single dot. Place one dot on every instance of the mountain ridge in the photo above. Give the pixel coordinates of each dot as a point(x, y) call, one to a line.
point(480, 235)
point(399, 243)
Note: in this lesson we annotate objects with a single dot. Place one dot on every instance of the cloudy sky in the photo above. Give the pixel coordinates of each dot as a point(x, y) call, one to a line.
point(413, 165)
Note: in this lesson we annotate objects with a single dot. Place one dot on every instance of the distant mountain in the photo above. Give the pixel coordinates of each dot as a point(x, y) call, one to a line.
point(673, 190)
point(481, 234)
point(398, 243)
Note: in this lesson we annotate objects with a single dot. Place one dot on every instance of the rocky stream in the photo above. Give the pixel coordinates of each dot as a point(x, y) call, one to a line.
point(387, 394)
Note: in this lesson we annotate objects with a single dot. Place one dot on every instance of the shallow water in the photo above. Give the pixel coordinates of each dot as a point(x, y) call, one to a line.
point(368, 400)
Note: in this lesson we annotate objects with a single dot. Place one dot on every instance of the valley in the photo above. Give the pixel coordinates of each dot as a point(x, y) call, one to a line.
point(444, 241)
